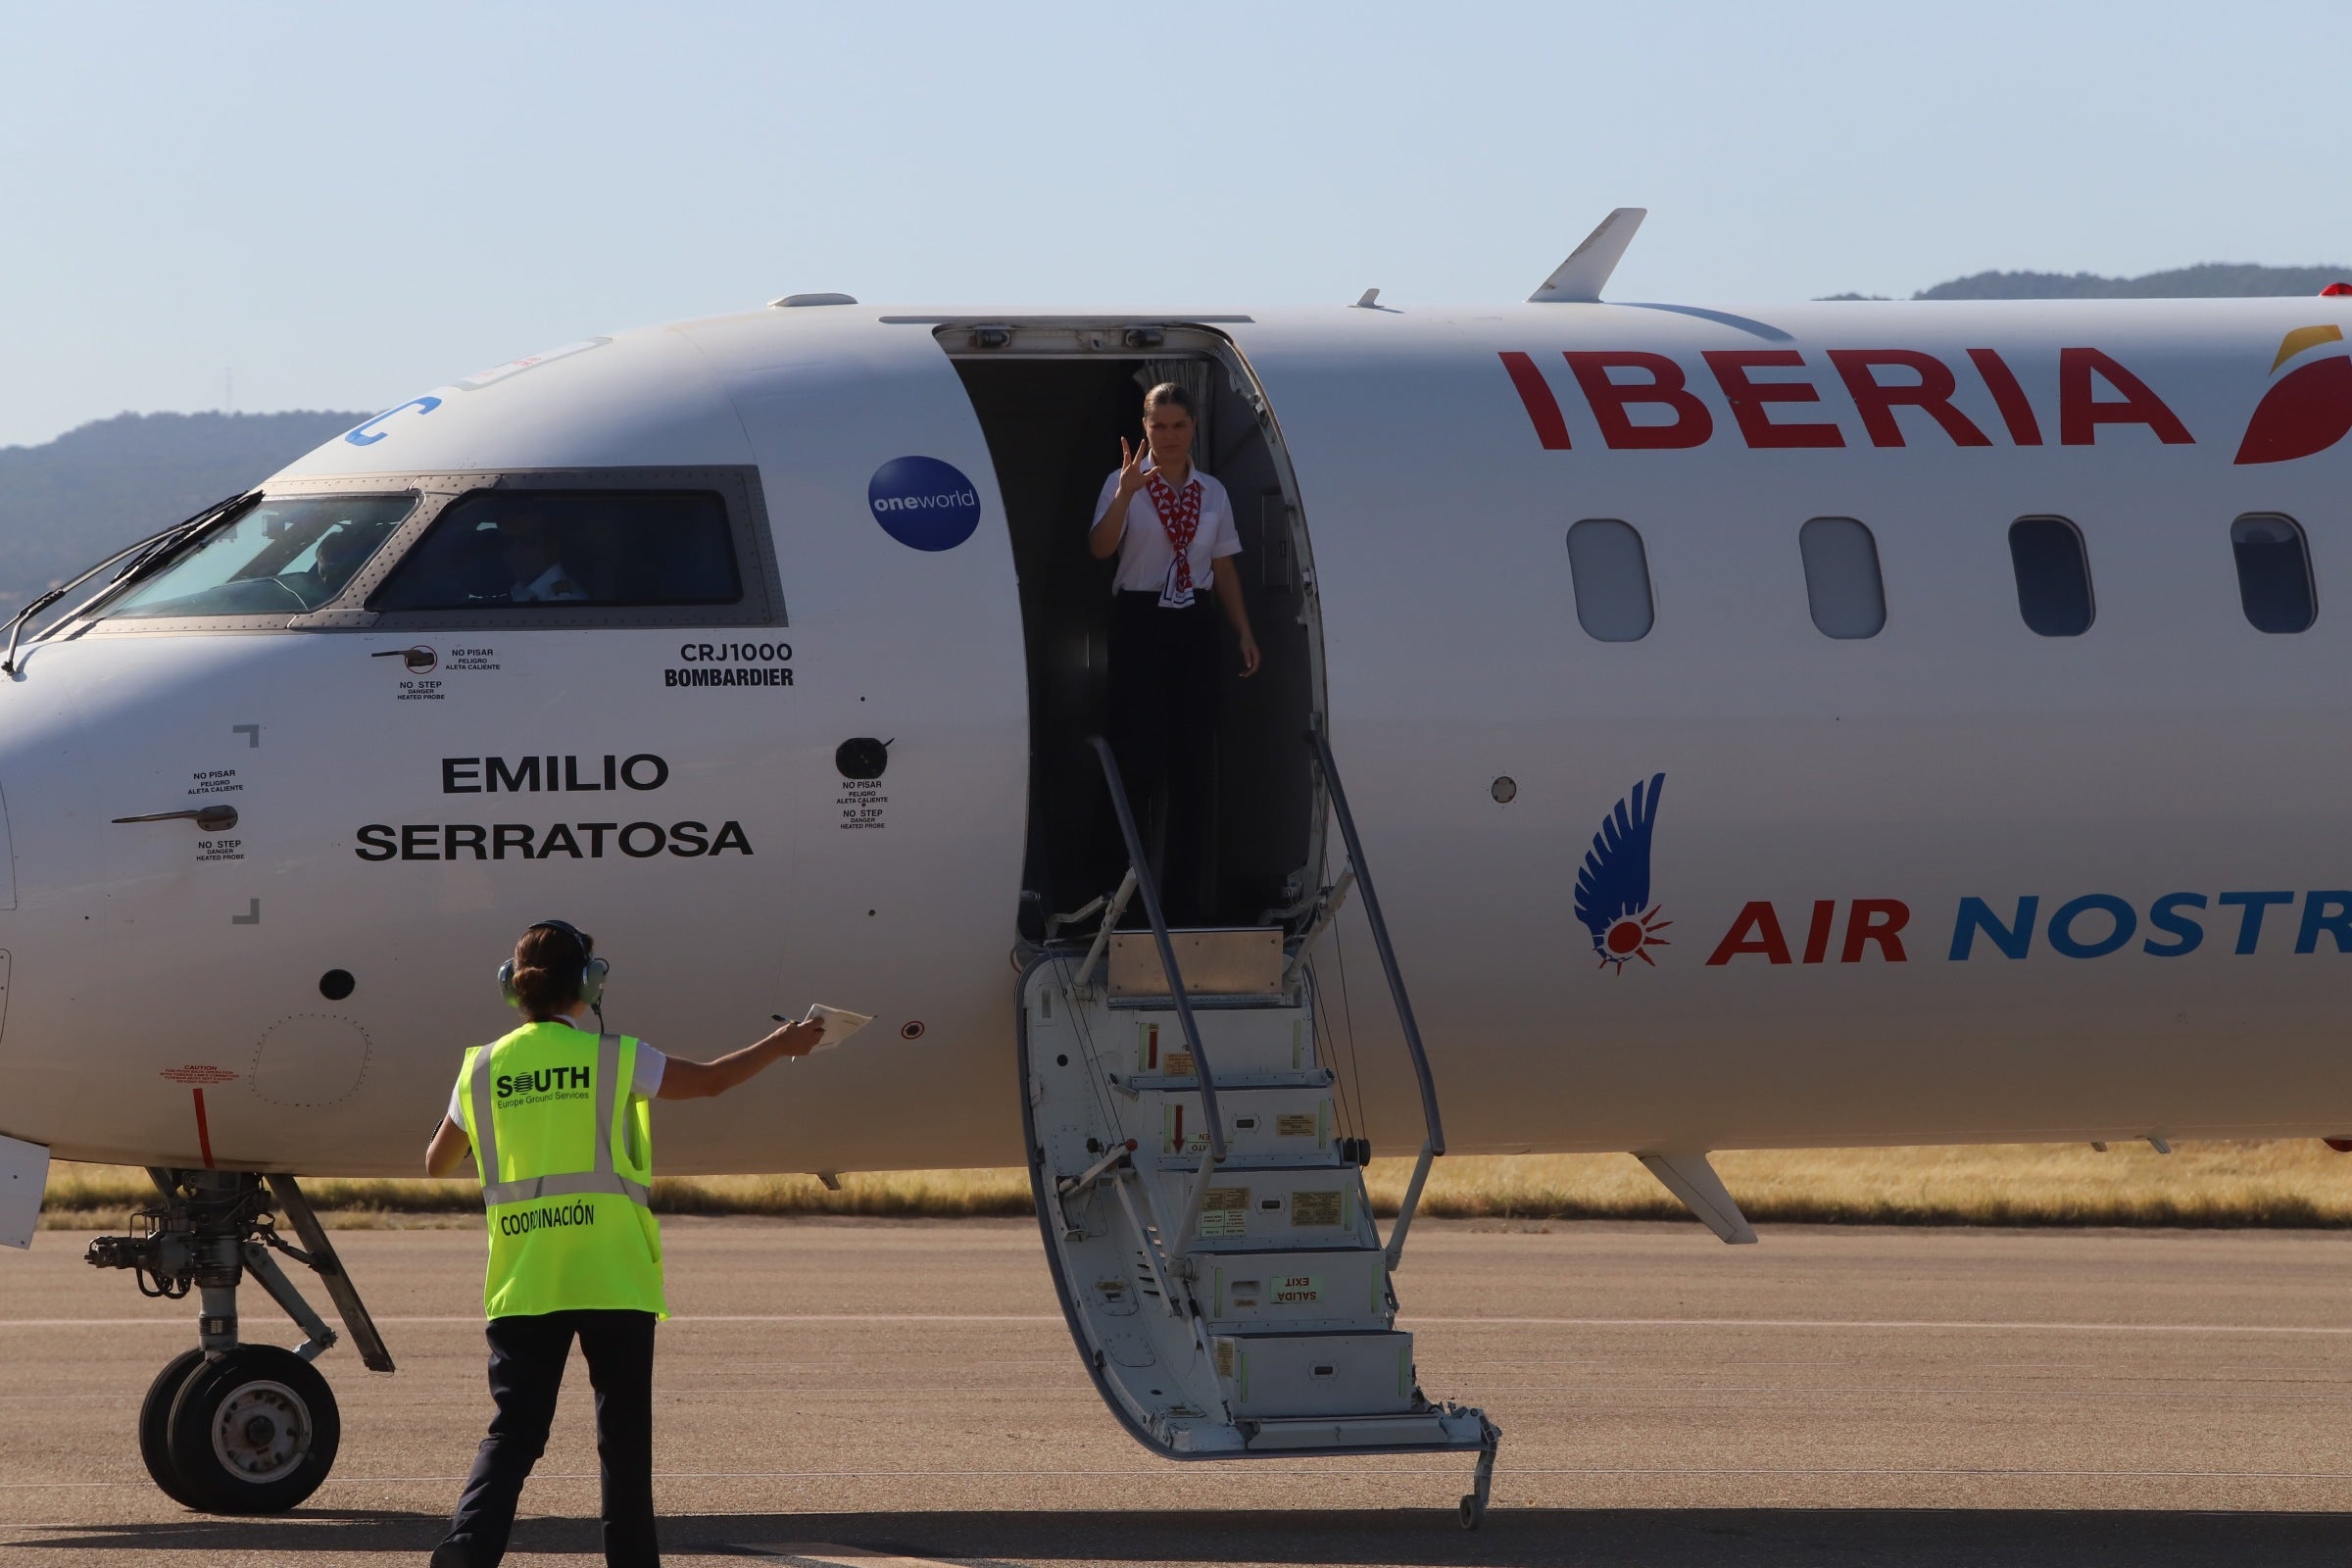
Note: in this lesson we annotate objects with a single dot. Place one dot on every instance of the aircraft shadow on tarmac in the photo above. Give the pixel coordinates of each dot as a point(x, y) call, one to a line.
point(1589, 1537)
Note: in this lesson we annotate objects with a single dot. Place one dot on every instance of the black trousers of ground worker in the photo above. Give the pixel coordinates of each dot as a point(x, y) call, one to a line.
point(1164, 685)
point(526, 1369)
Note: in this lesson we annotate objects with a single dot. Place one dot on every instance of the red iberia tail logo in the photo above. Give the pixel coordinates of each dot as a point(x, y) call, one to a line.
point(2307, 410)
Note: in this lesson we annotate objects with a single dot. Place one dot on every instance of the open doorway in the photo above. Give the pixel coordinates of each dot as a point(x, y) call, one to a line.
point(1054, 400)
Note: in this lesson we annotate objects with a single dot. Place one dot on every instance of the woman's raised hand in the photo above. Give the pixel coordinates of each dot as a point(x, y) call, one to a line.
point(1132, 476)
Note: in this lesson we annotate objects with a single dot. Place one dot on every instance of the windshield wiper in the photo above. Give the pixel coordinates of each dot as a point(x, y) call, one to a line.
point(153, 552)
point(15, 624)
point(156, 547)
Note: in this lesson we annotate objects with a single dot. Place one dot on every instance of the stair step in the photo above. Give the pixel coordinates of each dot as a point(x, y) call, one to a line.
point(1227, 1081)
point(1336, 1289)
point(1253, 1210)
point(1245, 1043)
point(1262, 1127)
point(1218, 961)
point(1440, 1429)
point(1167, 1005)
point(1290, 1375)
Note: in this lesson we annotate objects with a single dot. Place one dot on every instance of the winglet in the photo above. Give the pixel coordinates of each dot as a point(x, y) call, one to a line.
point(1691, 1179)
point(1580, 278)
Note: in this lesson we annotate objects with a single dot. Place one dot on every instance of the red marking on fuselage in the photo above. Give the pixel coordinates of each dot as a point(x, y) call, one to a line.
point(1750, 399)
point(204, 1132)
point(1757, 930)
point(2080, 415)
point(1877, 921)
point(2017, 412)
point(1667, 388)
point(1817, 935)
point(1535, 394)
point(1875, 401)
point(2309, 411)
point(1676, 418)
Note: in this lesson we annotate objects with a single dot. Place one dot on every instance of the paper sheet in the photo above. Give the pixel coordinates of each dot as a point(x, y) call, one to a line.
point(840, 1023)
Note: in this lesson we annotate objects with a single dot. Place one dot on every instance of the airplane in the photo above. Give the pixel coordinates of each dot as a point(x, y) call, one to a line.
point(1732, 726)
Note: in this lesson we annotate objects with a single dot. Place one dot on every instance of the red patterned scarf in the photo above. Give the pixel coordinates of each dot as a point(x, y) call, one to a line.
point(1180, 516)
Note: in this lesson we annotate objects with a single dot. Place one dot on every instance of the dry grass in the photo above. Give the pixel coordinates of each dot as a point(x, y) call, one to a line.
point(80, 1196)
point(2209, 1184)
point(2302, 1183)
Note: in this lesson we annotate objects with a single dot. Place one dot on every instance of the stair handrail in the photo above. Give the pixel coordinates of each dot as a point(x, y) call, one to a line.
point(1149, 887)
point(1112, 905)
point(1435, 1144)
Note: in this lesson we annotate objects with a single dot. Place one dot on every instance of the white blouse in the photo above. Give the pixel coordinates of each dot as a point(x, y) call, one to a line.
point(1144, 554)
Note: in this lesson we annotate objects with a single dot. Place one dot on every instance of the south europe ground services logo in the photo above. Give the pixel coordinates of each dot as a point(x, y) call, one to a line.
point(1612, 888)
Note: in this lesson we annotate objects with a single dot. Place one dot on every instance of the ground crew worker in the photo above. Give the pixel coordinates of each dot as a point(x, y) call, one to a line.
point(559, 1118)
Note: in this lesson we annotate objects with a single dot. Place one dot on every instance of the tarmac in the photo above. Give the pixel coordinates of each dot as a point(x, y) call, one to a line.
point(838, 1393)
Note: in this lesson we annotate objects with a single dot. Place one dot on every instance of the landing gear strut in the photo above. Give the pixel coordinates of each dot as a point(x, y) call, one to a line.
point(228, 1427)
point(1474, 1502)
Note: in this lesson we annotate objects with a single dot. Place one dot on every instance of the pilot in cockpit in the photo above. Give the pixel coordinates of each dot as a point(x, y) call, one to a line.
point(527, 547)
point(340, 552)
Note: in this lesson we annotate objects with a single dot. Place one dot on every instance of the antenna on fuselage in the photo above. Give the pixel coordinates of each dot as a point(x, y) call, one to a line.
point(1580, 278)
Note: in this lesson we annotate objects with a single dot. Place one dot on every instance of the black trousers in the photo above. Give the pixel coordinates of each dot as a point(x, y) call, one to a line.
point(526, 1370)
point(1165, 682)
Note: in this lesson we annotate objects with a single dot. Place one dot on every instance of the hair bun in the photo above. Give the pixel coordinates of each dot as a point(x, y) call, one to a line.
point(546, 978)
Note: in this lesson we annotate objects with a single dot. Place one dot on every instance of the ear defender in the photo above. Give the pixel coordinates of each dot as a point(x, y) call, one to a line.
point(593, 974)
point(592, 981)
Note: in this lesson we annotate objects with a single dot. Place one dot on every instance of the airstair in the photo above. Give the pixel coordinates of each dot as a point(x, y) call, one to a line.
point(1208, 1223)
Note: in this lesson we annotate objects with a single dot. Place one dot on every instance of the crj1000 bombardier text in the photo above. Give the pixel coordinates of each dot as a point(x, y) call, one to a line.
point(1800, 725)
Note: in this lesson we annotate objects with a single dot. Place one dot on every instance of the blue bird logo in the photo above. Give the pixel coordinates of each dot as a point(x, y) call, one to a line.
point(1612, 888)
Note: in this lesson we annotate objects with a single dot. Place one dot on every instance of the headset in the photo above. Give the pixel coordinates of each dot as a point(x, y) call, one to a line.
point(593, 970)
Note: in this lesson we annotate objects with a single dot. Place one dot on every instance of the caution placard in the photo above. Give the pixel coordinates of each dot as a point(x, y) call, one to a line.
point(1321, 1208)
point(1225, 1212)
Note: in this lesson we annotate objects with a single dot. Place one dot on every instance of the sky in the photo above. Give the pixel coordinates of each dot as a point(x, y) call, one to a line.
point(272, 206)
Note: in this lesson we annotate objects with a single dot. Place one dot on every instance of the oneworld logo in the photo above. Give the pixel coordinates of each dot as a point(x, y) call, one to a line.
point(923, 503)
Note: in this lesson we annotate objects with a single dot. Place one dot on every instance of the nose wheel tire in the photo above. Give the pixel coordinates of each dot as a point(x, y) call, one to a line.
point(155, 1421)
point(254, 1432)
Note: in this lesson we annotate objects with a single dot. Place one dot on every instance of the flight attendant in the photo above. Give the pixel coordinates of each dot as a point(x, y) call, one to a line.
point(558, 1117)
point(1171, 527)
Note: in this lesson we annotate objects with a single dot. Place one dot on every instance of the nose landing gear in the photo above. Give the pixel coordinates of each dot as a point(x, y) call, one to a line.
point(232, 1428)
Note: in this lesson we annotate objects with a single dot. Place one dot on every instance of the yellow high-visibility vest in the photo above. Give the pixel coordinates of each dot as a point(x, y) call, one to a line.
point(567, 1159)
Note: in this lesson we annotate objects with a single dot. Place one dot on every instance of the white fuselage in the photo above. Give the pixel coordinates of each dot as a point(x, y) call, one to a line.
point(2170, 749)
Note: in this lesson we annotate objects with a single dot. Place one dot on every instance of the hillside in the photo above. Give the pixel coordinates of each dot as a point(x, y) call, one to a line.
point(65, 502)
point(2204, 281)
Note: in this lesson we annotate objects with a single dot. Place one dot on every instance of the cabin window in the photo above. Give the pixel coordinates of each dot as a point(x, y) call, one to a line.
point(285, 557)
point(2053, 575)
point(1610, 573)
point(2274, 572)
point(1841, 577)
point(552, 553)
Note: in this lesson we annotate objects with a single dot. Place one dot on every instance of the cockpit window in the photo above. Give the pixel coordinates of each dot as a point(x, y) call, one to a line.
point(552, 548)
point(288, 555)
